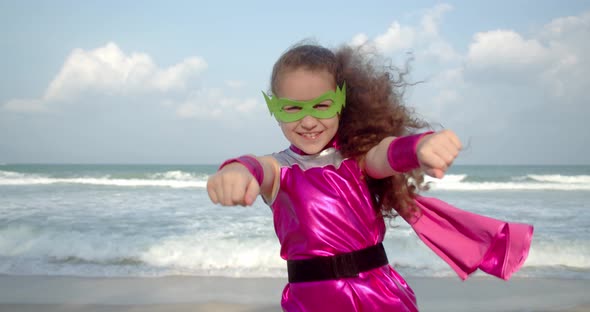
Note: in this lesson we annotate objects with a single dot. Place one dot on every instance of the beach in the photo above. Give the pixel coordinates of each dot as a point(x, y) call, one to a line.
point(147, 238)
point(182, 293)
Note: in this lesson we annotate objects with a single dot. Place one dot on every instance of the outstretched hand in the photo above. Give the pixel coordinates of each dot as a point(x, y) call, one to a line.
point(436, 152)
point(233, 185)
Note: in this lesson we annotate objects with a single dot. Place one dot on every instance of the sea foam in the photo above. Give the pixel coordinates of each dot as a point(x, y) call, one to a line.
point(57, 251)
point(531, 182)
point(173, 179)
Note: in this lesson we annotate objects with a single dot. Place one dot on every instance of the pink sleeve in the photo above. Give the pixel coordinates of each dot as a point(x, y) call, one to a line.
point(467, 241)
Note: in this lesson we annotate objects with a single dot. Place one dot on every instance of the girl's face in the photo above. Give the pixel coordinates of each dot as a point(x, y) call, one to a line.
point(309, 134)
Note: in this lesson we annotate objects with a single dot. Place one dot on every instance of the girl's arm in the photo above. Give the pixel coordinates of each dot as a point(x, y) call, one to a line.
point(435, 153)
point(234, 184)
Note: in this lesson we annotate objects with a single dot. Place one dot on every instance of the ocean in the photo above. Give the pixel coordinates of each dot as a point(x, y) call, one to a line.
point(157, 220)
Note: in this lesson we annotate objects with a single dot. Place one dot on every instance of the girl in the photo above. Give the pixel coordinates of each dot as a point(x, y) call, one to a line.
point(350, 164)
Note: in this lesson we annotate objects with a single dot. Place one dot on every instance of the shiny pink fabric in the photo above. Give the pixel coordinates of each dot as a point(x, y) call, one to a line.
point(251, 163)
point(467, 241)
point(401, 153)
point(327, 210)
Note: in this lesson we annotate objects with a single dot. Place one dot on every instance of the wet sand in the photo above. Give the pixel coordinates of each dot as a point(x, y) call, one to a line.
point(179, 294)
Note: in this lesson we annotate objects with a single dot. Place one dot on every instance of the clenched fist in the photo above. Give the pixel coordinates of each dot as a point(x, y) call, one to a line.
point(233, 185)
point(436, 152)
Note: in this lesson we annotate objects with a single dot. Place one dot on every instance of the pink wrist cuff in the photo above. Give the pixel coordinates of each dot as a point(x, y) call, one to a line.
point(251, 163)
point(401, 153)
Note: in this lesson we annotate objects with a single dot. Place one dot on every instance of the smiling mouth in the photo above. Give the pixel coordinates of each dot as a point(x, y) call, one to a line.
point(310, 135)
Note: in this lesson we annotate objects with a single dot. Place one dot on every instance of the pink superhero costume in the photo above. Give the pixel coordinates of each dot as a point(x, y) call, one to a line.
point(323, 207)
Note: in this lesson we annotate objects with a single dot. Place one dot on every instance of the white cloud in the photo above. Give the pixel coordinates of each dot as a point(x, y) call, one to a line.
point(440, 50)
point(359, 40)
point(531, 87)
point(505, 48)
point(214, 104)
point(423, 39)
point(442, 82)
point(108, 70)
point(567, 37)
point(567, 25)
point(551, 61)
point(395, 38)
point(177, 76)
point(433, 18)
point(554, 59)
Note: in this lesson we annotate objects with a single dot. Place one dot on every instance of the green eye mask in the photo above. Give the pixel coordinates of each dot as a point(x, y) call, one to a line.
point(287, 110)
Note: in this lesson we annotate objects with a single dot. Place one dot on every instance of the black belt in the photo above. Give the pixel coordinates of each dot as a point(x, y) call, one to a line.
point(337, 266)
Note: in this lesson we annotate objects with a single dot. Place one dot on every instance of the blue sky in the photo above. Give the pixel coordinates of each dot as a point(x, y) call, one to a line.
point(180, 81)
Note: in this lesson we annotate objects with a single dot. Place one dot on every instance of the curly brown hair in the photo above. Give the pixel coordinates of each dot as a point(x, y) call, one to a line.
point(374, 110)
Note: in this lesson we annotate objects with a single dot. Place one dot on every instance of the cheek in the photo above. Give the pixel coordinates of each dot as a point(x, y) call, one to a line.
point(287, 128)
point(332, 124)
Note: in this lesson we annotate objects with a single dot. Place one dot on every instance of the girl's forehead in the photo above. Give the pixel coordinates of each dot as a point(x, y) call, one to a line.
point(305, 84)
point(305, 71)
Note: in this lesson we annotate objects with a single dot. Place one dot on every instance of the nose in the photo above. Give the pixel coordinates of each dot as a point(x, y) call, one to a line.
point(308, 122)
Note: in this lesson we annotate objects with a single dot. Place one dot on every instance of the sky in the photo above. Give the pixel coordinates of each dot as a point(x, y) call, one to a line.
point(179, 82)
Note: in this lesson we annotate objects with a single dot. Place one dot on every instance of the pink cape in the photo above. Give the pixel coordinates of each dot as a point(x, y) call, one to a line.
point(468, 241)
